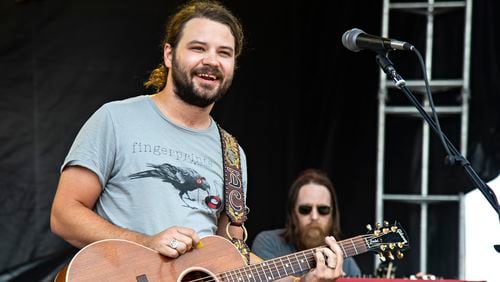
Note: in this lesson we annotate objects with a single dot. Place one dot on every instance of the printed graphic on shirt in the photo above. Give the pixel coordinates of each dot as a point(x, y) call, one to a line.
point(183, 179)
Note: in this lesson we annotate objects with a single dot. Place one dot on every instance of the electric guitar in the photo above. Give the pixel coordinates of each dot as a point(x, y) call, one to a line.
point(216, 260)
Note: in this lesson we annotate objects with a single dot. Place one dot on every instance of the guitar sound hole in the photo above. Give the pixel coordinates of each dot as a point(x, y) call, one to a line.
point(197, 275)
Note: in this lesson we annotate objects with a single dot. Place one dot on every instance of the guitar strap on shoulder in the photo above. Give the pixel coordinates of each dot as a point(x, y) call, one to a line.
point(233, 190)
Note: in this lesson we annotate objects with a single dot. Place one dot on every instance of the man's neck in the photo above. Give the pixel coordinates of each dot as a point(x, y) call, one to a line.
point(180, 112)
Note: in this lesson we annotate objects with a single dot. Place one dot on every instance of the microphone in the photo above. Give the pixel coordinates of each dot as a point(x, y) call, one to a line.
point(357, 40)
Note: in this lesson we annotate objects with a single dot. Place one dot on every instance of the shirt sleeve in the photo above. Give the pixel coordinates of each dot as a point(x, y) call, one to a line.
point(94, 146)
point(264, 246)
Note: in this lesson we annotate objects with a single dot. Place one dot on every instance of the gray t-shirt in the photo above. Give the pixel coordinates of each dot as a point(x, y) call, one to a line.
point(155, 174)
point(270, 244)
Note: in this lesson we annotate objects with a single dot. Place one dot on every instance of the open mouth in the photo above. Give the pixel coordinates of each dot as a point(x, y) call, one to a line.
point(208, 76)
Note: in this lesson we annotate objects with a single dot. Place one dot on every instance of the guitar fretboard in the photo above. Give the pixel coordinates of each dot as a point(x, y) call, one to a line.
point(288, 265)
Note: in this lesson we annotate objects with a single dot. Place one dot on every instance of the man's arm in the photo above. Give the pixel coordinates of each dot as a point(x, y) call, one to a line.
point(72, 217)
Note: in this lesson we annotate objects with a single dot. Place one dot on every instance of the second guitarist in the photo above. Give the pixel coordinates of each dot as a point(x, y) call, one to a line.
point(312, 214)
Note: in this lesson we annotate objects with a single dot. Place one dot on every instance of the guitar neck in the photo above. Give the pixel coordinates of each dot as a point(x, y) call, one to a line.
point(285, 266)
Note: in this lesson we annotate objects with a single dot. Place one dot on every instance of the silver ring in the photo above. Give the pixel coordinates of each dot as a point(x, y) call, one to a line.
point(173, 244)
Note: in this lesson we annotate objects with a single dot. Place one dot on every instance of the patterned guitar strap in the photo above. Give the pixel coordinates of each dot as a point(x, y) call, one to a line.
point(234, 196)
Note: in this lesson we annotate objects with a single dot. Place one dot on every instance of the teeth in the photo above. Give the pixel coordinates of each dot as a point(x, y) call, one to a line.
point(209, 76)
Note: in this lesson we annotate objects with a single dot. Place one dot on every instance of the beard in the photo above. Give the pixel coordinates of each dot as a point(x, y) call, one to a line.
point(201, 95)
point(312, 235)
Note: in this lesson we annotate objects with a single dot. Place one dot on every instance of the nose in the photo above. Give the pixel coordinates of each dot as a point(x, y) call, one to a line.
point(210, 58)
point(314, 214)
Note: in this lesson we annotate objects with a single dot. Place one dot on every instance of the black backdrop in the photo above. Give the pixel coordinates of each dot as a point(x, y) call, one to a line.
point(299, 100)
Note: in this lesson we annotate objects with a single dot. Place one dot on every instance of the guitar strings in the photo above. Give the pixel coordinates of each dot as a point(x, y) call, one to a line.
point(308, 255)
point(252, 271)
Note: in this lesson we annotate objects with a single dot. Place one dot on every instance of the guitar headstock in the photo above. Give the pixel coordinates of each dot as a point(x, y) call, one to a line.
point(387, 239)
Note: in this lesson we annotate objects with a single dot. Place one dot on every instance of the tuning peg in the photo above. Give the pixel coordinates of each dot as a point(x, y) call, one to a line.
point(394, 228)
point(390, 255)
point(376, 232)
point(381, 257)
point(385, 230)
point(369, 227)
point(383, 247)
point(400, 245)
point(386, 223)
point(377, 225)
point(392, 246)
point(399, 254)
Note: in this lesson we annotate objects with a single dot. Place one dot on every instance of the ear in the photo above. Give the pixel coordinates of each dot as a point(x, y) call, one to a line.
point(167, 55)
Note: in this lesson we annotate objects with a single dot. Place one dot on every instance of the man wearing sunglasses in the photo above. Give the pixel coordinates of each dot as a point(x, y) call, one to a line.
point(312, 215)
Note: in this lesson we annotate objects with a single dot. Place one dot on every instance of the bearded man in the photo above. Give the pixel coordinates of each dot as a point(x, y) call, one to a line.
point(149, 169)
point(312, 215)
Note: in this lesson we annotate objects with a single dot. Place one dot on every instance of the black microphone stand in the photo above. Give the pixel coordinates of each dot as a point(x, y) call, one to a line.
point(455, 157)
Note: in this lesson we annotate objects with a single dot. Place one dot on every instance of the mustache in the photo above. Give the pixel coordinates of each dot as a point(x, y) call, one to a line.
point(314, 225)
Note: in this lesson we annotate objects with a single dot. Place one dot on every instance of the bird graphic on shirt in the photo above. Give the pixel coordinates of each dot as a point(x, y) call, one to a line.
point(183, 179)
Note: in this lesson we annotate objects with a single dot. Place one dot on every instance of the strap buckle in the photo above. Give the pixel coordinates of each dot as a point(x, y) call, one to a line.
point(245, 233)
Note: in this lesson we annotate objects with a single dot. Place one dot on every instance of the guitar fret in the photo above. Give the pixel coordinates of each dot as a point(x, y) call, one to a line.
point(244, 275)
point(291, 264)
point(241, 275)
point(227, 277)
point(283, 266)
point(235, 274)
point(307, 260)
point(362, 244)
point(269, 270)
point(297, 259)
point(343, 249)
point(255, 273)
point(312, 259)
point(355, 250)
point(250, 275)
point(230, 273)
point(277, 270)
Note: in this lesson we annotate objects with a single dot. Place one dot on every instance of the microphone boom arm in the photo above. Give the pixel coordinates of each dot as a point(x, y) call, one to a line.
point(387, 66)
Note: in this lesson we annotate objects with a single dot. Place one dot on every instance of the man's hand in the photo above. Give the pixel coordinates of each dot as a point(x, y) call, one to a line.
point(329, 263)
point(173, 242)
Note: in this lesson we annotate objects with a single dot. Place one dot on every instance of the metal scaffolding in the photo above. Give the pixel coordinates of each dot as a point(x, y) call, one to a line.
point(429, 10)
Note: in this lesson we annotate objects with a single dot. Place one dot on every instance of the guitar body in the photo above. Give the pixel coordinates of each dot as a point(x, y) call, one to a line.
point(121, 260)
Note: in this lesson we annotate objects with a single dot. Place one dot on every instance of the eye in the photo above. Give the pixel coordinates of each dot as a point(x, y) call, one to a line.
point(225, 54)
point(197, 48)
point(200, 180)
point(324, 210)
point(305, 209)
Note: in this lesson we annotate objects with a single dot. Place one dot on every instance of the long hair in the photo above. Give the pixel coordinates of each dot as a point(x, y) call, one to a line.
point(207, 9)
point(309, 176)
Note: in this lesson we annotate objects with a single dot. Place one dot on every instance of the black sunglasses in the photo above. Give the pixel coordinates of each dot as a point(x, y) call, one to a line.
point(322, 210)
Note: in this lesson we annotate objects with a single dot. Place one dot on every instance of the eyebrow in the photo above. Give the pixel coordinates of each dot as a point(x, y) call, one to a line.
point(194, 42)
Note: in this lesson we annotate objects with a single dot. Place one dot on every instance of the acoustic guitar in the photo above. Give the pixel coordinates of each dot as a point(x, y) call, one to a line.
point(216, 260)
